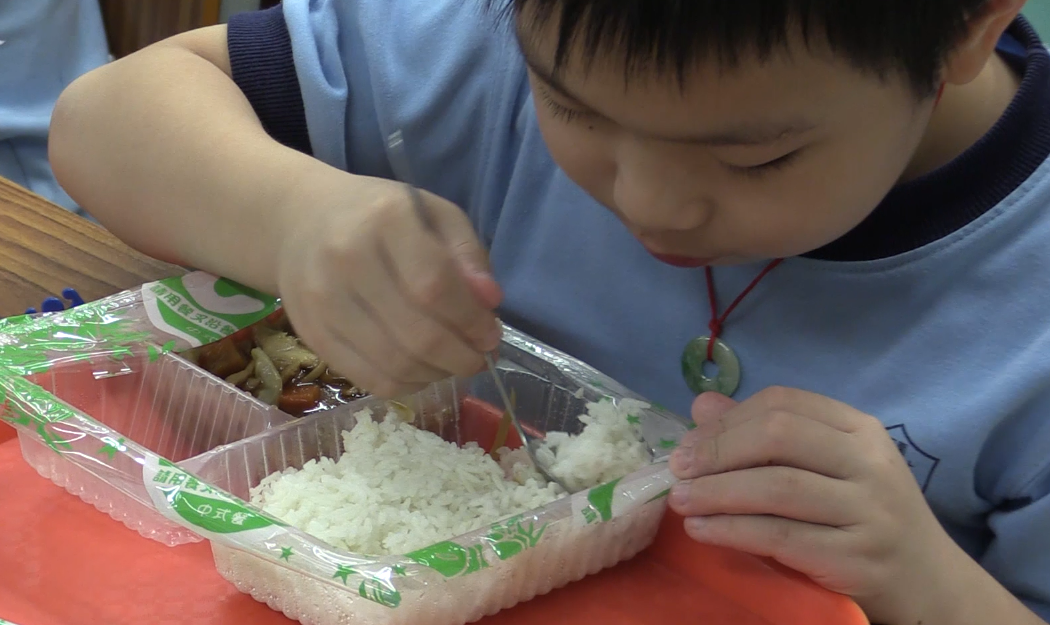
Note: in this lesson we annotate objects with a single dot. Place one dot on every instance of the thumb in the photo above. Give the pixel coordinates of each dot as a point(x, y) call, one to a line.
point(485, 288)
point(710, 407)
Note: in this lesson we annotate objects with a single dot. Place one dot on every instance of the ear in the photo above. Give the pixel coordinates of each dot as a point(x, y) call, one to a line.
point(971, 54)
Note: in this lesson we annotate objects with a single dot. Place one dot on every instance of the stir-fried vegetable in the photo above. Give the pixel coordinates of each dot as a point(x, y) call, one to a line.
point(270, 380)
point(505, 424)
point(300, 398)
point(285, 350)
point(223, 359)
point(271, 363)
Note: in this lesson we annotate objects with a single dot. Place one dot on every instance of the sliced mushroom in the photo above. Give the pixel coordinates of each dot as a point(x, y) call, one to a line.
point(241, 377)
point(288, 373)
point(330, 377)
point(316, 373)
point(284, 349)
point(269, 377)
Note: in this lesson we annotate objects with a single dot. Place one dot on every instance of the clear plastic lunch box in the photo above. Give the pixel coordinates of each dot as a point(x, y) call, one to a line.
point(172, 451)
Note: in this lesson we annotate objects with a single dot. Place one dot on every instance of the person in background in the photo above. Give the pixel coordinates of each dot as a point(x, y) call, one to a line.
point(44, 46)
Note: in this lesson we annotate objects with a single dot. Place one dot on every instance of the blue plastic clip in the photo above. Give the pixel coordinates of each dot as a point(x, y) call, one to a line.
point(73, 297)
point(53, 304)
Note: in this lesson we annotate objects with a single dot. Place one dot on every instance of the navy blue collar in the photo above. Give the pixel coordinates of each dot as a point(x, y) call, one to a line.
point(945, 200)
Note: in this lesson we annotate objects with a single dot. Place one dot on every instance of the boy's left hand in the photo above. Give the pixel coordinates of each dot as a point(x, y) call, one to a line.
point(819, 487)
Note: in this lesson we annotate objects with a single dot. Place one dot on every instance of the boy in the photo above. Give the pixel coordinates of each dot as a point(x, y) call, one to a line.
point(893, 152)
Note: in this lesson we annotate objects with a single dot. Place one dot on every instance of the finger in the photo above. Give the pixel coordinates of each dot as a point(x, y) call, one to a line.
point(711, 407)
point(795, 544)
point(715, 414)
point(428, 270)
point(709, 412)
point(456, 230)
point(372, 377)
point(343, 355)
point(777, 491)
point(485, 289)
point(831, 412)
point(458, 233)
point(776, 438)
point(325, 317)
point(356, 323)
point(421, 339)
point(714, 418)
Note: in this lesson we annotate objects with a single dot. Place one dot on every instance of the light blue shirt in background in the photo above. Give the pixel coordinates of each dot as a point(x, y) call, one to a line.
point(44, 46)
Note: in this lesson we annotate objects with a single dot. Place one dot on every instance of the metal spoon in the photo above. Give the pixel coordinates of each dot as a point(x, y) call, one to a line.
point(399, 162)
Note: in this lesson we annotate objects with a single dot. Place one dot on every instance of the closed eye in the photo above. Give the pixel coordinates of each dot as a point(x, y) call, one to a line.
point(767, 167)
point(560, 111)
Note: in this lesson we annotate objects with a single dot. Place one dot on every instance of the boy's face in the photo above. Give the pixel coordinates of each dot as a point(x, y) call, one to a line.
point(762, 160)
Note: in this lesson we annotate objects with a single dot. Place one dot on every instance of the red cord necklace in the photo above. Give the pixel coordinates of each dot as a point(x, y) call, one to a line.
point(712, 348)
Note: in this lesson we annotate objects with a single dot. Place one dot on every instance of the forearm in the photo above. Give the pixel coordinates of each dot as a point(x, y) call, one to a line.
point(165, 150)
point(966, 594)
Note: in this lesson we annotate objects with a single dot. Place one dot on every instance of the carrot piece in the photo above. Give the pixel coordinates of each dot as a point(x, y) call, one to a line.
point(241, 336)
point(245, 334)
point(297, 399)
point(222, 358)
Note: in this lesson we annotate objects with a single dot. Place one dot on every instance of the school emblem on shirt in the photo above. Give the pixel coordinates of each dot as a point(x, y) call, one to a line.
point(921, 463)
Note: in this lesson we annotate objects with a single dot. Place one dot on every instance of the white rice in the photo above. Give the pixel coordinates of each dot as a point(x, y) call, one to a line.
point(609, 447)
point(397, 489)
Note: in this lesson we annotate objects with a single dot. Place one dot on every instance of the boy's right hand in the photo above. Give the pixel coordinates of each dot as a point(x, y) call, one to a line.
point(383, 300)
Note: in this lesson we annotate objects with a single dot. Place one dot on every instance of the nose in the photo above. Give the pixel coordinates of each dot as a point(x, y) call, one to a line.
point(655, 192)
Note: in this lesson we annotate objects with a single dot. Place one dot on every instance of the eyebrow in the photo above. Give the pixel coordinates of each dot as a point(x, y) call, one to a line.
point(751, 134)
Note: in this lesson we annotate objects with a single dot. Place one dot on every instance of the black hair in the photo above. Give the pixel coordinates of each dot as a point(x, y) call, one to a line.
point(908, 38)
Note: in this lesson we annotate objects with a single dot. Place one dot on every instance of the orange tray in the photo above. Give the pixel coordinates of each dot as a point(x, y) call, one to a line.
point(64, 563)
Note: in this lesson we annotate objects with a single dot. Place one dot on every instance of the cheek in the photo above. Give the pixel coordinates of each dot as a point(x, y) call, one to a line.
point(837, 187)
point(584, 155)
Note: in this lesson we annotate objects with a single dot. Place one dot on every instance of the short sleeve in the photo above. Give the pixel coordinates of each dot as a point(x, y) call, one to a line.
point(446, 73)
point(1015, 478)
point(261, 60)
point(44, 46)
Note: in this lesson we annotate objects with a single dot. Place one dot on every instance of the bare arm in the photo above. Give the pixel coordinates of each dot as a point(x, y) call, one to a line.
point(164, 149)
